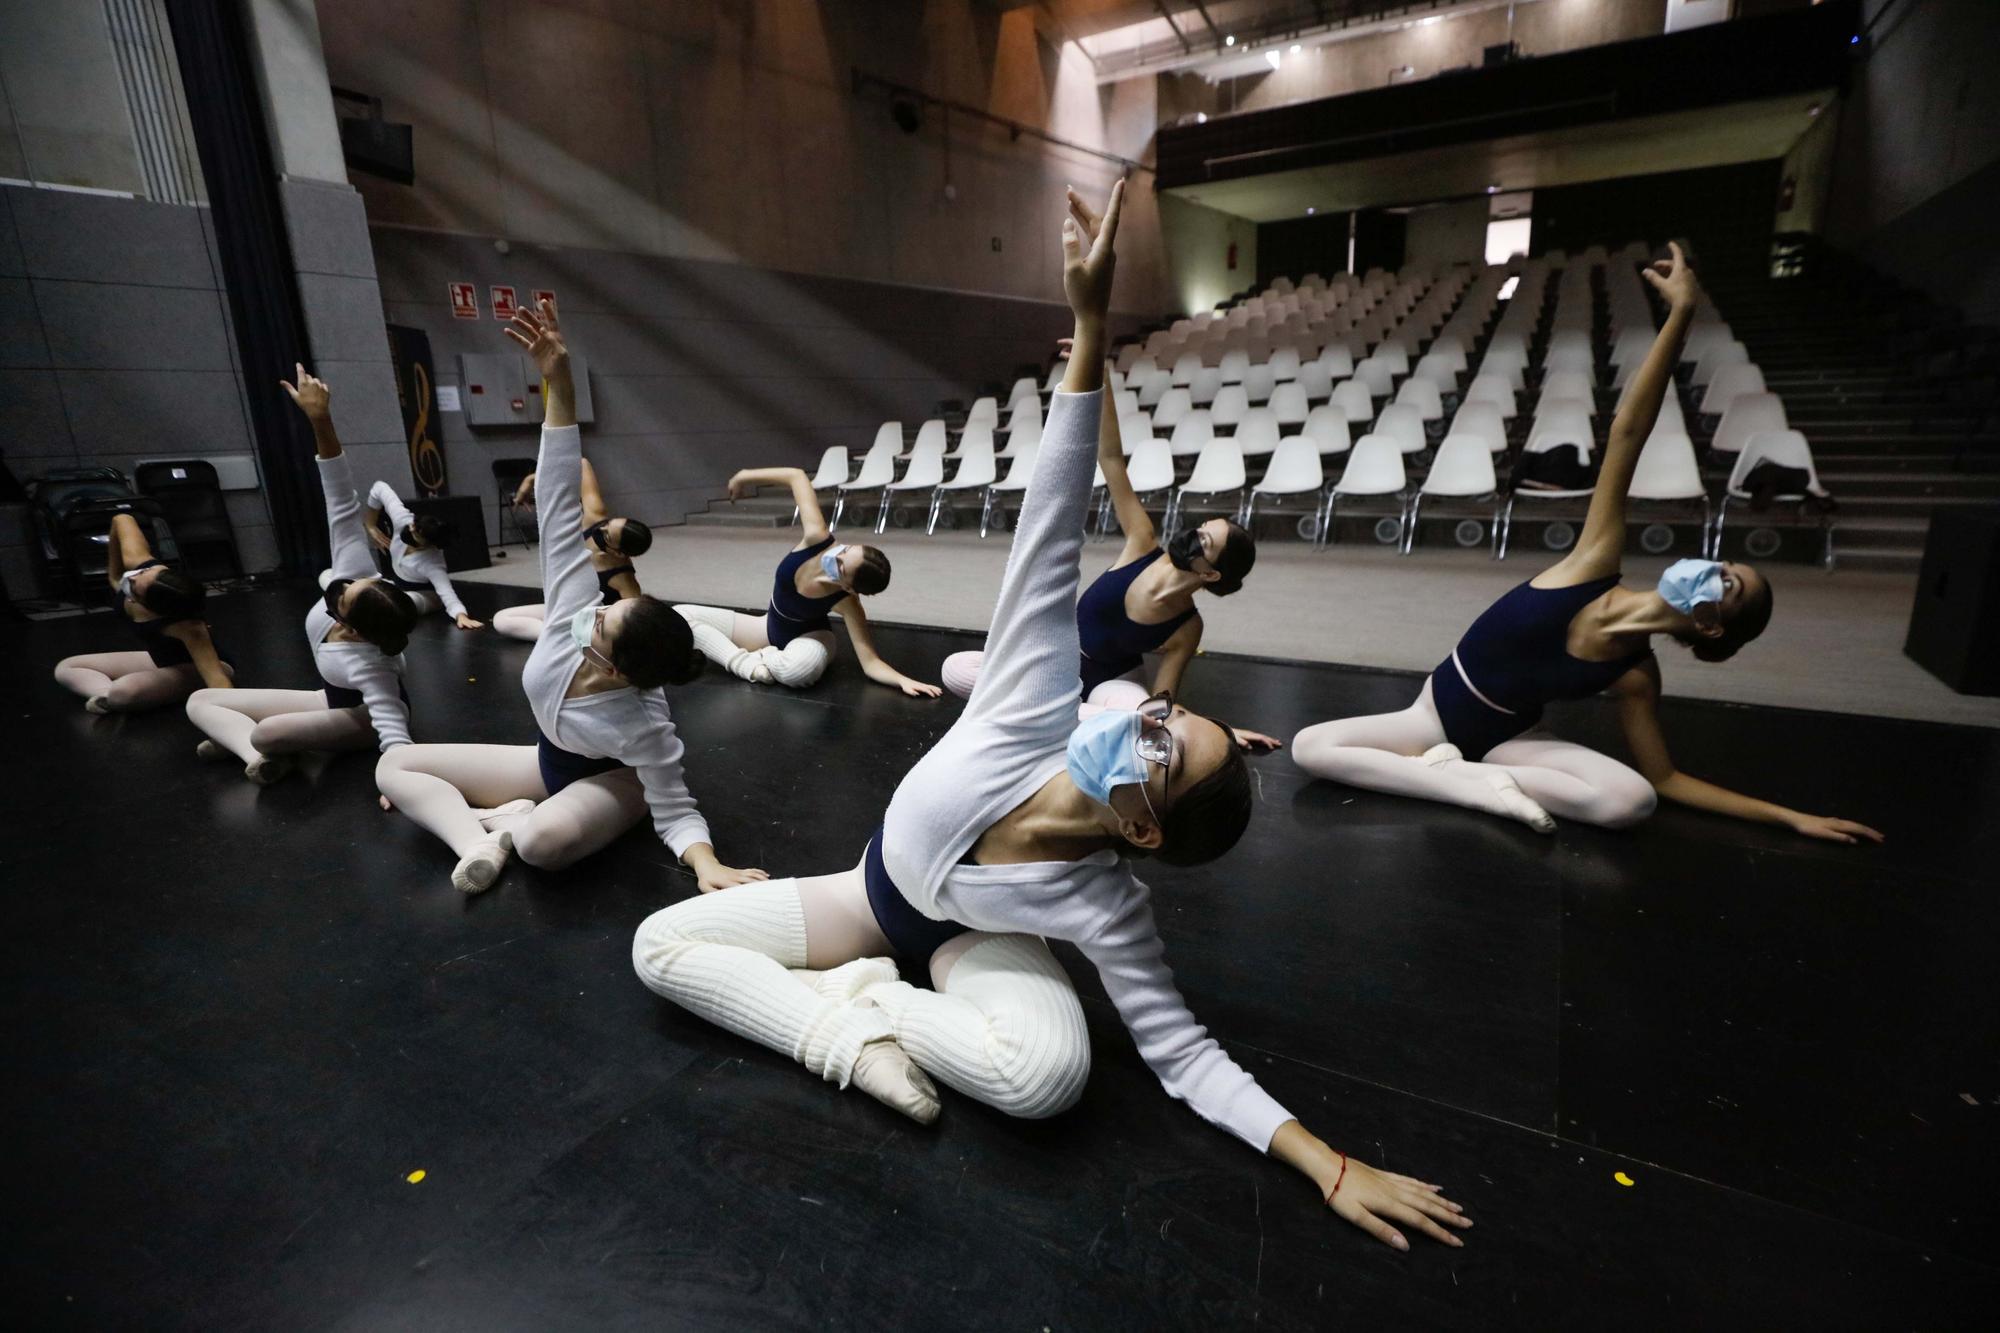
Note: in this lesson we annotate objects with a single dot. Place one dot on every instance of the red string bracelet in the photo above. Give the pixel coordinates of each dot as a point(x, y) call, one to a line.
point(1337, 1179)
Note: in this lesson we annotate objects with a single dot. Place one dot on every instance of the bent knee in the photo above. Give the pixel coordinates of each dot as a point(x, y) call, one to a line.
point(1053, 1086)
point(1629, 802)
point(961, 673)
point(547, 848)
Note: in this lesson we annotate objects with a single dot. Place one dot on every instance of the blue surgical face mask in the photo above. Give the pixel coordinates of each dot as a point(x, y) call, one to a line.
point(1103, 753)
point(1687, 583)
point(582, 627)
point(829, 564)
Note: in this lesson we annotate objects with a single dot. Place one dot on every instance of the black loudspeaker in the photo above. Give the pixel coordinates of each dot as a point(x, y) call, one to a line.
point(468, 547)
point(1955, 625)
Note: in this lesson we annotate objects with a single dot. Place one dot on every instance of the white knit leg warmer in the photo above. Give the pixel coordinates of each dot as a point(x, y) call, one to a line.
point(1008, 1028)
point(796, 665)
point(724, 956)
point(712, 626)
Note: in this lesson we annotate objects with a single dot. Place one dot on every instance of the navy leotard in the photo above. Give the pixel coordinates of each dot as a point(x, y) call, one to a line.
point(606, 594)
point(1113, 643)
point(792, 613)
point(1515, 659)
point(162, 647)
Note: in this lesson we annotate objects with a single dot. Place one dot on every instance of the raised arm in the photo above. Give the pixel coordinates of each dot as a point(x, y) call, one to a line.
point(1133, 520)
point(126, 549)
point(593, 498)
point(810, 518)
point(872, 664)
point(1638, 713)
point(343, 512)
point(1029, 675)
point(383, 496)
point(1600, 550)
point(568, 583)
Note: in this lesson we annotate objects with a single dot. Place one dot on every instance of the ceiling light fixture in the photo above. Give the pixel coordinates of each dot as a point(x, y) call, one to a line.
point(1275, 58)
point(1310, 210)
point(1230, 40)
point(1296, 48)
point(1201, 118)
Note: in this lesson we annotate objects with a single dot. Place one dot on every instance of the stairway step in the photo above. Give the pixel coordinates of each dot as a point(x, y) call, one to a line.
point(727, 518)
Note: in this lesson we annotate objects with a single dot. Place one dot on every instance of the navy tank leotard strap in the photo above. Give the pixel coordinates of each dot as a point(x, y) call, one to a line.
point(162, 647)
point(1113, 643)
point(606, 594)
point(792, 613)
point(1513, 660)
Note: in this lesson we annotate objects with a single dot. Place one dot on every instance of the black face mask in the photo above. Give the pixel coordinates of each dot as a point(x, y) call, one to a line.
point(334, 592)
point(1185, 549)
point(411, 540)
point(594, 534)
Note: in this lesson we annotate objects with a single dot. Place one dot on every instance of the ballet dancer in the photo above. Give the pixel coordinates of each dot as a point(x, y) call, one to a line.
point(177, 653)
point(614, 543)
point(1144, 603)
point(1016, 826)
point(415, 548)
point(357, 630)
point(792, 642)
point(1571, 632)
point(607, 751)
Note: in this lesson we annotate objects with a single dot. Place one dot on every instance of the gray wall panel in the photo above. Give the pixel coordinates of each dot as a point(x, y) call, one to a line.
point(11, 264)
point(155, 412)
point(74, 236)
point(328, 229)
point(99, 326)
point(36, 425)
point(364, 400)
point(21, 339)
point(343, 317)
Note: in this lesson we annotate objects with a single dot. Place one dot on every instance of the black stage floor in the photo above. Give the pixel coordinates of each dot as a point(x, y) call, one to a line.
point(242, 1017)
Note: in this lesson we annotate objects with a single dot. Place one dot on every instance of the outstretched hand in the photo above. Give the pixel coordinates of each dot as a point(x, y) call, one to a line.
point(1088, 256)
point(1829, 829)
point(1373, 1200)
point(1673, 279)
point(539, 331)
point(1255, 742)
point(917, 689)
point(310, 393)
point(719, 876)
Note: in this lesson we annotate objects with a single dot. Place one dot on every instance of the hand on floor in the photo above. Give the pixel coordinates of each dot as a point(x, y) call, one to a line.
point(917, 689)
point(1256, 742)
point(719, 876)
point(467, 622)
point(1370, 1199)
point(1829, 829)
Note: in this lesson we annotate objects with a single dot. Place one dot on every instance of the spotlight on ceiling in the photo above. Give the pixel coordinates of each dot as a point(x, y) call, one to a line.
point(1201, 118)
point(1274, 57)
point(1230, 40)
point(1296, 48)
point(1310, 210)
point(1492, 189)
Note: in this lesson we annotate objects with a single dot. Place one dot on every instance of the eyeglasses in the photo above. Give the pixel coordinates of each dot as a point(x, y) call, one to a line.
point(1155, 744)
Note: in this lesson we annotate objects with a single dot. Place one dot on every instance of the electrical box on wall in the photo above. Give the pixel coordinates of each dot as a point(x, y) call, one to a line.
point(505, 389)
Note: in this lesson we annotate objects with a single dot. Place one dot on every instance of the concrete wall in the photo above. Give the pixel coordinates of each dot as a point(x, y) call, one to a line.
point(727, 130)
point(64, 118)
point(1918, 141)
point(1540, 27)
point(699, 367)
point(1197, 244)
point(1447, 233)
point(115, 347)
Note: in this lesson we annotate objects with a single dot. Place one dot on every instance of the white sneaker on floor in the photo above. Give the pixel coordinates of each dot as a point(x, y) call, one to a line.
point(210, 750)
point(478, 868)
point(266, 769)
point(885, 1071)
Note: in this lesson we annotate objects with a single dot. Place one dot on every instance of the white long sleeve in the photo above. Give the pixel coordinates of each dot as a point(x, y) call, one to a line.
point(1012, 739)
point(414, 566)
point(343, 521)
point(630, 725)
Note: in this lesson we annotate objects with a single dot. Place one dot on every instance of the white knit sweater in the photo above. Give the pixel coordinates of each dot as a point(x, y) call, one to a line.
point(426, 566)
point(352, 664)
point(629, 725)
point(1012, 739)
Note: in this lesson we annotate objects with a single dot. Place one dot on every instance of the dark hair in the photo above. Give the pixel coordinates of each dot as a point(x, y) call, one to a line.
point(172, 595)
point(381, 613)
point(1235, 560)
point(1210, 817)
point(1739, 629)
point(873, 576)
point(654, 645)
point(635, 538)
point(435, 529)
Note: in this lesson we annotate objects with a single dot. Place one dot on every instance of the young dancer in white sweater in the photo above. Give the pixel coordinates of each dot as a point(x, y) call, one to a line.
point(1014, 828)
point(357, 632)
point(607, 752)
point(416, 553)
